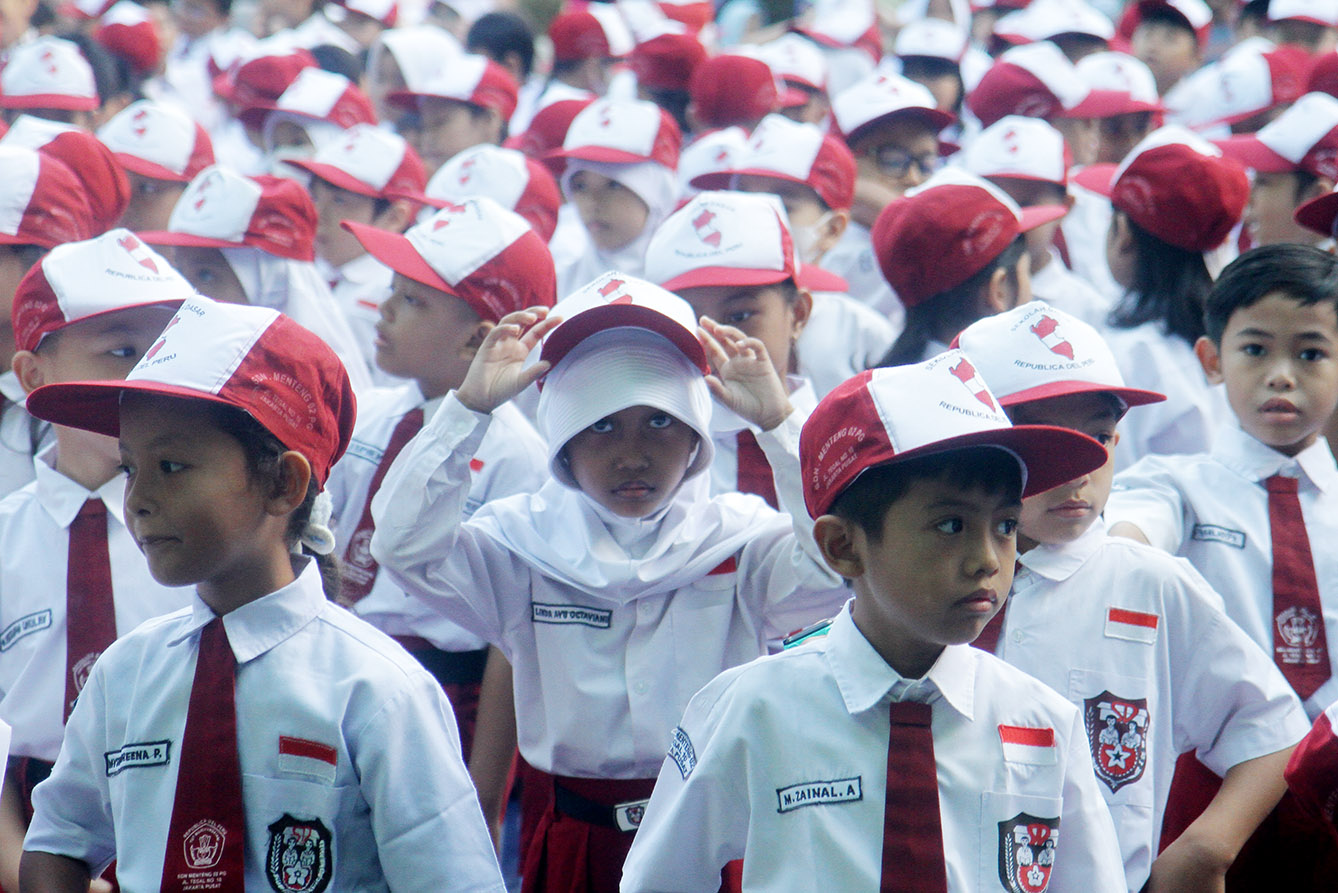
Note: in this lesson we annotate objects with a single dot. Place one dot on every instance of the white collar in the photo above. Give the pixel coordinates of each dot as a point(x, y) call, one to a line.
point(1059, 561)
point(62, 497)
point(260, 625)
point(1253, 460)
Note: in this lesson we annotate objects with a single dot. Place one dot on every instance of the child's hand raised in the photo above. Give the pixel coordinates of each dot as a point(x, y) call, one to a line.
point(496, 374)
point(745, 380)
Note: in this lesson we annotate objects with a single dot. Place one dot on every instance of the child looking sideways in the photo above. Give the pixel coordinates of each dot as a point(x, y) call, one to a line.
point(619, 588)
point(1135, 639)
point(264, 736)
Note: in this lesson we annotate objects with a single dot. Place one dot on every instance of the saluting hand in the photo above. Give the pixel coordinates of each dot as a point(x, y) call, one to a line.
point(498, 371)
point(745, 379)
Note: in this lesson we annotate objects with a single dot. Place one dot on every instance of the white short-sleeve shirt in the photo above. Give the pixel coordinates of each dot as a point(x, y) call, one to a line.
point(843, 337)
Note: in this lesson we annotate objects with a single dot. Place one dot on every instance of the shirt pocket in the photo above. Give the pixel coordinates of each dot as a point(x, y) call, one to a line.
point(1019, 837)
point(1117, 722)
point(306, 835)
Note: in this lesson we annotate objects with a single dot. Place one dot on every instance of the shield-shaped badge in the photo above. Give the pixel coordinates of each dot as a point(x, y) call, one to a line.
point(1027, 852)
point(300, 856)
point(1117, 732)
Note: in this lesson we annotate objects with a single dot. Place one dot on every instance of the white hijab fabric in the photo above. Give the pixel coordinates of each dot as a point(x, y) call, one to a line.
point(655, 185)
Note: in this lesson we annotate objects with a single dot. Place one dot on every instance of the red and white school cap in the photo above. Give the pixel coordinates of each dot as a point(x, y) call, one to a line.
point(319, 95)
point(1047, 19)
point(224, 209)
point(1253, 77)
point(548, 128)
point(694, 14)
point(1304, 137)
point(796, 60)
point(1125, 75)
point(1037, 80)
point(1317, 12)
point(80, 280)
point(889, 415)
point(384, 11)
point(932, 38)
point(1194, 14)
point(252, 358)
point(800, 153)
point(1021, 149)
point(845, 23)
point(469, 78)
point(508, 177)
point(622, 131)
point(1035, 351)
point(476, 250)
point(41, 200)
point(1319, 214)
point(737, 87)
point(370, 161)
point(589, 30)
point(157, 140)
point(1177, 186)
point(260, 81)
point(128, 30)
point(880, 98)
point(48, 73)
point(723, 238)
point(666, 61)
point(710, 153)
point(614, 299)
point(944, 231)
point(104, 185)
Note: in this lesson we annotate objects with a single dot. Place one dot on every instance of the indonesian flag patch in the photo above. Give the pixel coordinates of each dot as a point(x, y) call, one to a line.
point(1029, 744)
point(1132, 626)
point(304, 757)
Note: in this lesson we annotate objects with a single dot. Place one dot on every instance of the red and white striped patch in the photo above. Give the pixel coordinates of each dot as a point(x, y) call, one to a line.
point(1133, 626)
point(1029, 744)
point(306, 757)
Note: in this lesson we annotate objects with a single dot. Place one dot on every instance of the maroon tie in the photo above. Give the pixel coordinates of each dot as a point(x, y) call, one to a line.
point(754, 469)
point(1300, 646)
point(90, 613)
point(913, 860)
point(206, 841)
point(359, 567)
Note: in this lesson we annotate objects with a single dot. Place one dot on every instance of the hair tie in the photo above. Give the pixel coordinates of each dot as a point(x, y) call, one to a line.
point(316, 536)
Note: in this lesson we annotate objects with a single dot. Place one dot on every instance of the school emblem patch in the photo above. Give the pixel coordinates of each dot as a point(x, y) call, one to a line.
point(300, 856)
point(1027, 852)
point(1117, 732)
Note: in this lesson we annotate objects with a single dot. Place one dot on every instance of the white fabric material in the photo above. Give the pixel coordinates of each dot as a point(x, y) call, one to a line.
point(35, 539)
point(606, 647)
point(819, 712)
point(1296, 131)
point(1212, 509)
point(1206, 685)
point(1062, 288)
point(842, 338)
point(401, 808)
point(1014, 146)
point(154, 131)
point(725, 427)
point(852, 259)
point(21, 436)
point(360, 287)
point(738, 230)
point(21, 166)
point(218, 204)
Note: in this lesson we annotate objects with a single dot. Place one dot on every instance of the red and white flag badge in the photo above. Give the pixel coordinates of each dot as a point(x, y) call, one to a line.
point(305, 757)
point(1133, 626)
point(1029, 744)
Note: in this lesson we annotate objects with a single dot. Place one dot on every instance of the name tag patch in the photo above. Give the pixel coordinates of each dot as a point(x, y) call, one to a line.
point(1132, 626)
point(682, 752)
point(364, 450)
point(1211, 533)
point(25, 625)
point(814, 793)
point(598, 618)
point(137, 756)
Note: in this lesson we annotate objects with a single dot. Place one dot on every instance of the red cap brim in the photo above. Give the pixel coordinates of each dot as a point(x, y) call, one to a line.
point(62, 101)
point(186, 240)
point(724, 276)
point(398, 253)
point(137, 165)
point(556, 161)
point(811, 278)
point(1039, 215)
point(573, 331)
point(1131, 396)
point(331, 174)
point(96, 405)
point(935, 119)
point(1318, 214)
point(1098, 104)
point(1250, 151)
point(1098, 178)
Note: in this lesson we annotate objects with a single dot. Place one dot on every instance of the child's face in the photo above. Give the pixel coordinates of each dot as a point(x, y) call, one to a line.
point(613, 214)
point(1118, 134)
point(1063, 514)
point(897, 155)
point(1083, 136)
point(941, 569)
point(151, 203)
point(191, 503)
point(1171, 51)
point(427, 335)
point(100, 348)
point(759, 311)
point(15, 262)
point(1279, 360)
point(384, 78)
point(209, 271)
point(632, 461)
point(1268, 215)
point(449, 127)
point(334, 244)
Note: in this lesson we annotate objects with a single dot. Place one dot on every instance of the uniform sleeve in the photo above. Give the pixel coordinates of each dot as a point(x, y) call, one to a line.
point(1089, 859)
point(1312, 772)
point(1147, 495)
point(421, 538)
point(72, 808)
point(699, 814)
point(429, 829)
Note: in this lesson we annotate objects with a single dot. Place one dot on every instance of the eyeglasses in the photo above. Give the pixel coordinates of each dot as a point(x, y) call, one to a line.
point(897, 162)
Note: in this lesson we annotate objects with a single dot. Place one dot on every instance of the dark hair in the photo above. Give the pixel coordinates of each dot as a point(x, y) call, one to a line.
point(339, 61)
point(954, 308)
point(1302, 272)
point(112, 74)
point(263, 450)
point(1169, 287)
point(675, 102)
point(916, 67)
point(498, 34)
point(1165, 15)
point(866, 501)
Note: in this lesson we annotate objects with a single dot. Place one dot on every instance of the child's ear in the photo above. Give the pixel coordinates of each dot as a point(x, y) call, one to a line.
point(802, 310)
point(28, 367)
point(290, 490)
point(836, 539)
point(1210, 358)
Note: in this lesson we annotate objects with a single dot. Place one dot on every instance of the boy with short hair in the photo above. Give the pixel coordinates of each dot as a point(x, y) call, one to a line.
point(468, 102)
point(1132, 637)
point(982, 775)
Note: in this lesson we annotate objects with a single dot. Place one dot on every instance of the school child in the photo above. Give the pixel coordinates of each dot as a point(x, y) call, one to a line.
point(663, 61)
point(370, 178)
point(1310, 26)
point(251, 240)
point(1175, 198)
point(616, 166)
point(49, 78)
point(463, 104)
point(887, 754)
point(263, 736)
point(1026, 158)
point(1169, 36)
point(1135, 639)
point(588, 40)
point(953, 251)
point(507, 176)
point(1076, 27)
point(638, 587)
point(161, 150)
point(316, 109)
point(1247, 512)
point(1139, 110)
point(732, 89)
point(403, 59)
point(87, 310)
point(933, 52)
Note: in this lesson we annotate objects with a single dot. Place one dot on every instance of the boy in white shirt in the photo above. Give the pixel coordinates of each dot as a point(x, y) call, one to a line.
point(1134, 638)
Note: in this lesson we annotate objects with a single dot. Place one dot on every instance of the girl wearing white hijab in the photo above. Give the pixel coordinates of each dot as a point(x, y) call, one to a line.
point(619, 588)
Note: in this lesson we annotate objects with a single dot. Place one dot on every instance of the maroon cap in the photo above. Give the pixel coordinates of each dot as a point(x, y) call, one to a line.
point(319, 95)
point(511, 178)
point(470, 78)
point(589, 30)
point(128, 31)
point(105, 186)
point(548, 128)
point(795, 152)
point(369, 161)
point(41, 200)
point(1319, 214)
point(1324, 75)
point(733, 89)
point(262, 80)
point(667, 61)
point(1037, 81)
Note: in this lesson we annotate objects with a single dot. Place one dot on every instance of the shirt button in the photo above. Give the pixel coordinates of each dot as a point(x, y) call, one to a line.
point(1017, 635)
point(640, 688)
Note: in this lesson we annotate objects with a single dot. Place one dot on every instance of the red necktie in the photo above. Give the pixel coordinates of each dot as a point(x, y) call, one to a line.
point(359, 567)
point(913, 860)
point(206, 841)
point(1300, 646)
point(754, 469)
point(90, 613)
